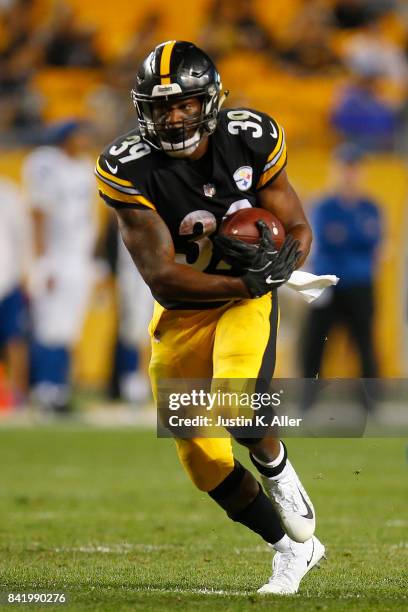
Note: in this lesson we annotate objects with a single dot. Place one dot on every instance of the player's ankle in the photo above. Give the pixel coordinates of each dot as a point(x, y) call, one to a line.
point(274, 468)
point(283, 545)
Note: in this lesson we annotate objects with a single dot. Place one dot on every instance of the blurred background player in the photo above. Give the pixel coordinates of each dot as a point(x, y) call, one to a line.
point(133, 347)
point(131, 351)
point(58, 181)
point(130, 379)
point(14, 255)
point(347, 229)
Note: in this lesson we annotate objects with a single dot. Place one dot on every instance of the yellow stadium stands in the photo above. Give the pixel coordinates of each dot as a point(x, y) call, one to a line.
point(302, 104)
point(64, 91)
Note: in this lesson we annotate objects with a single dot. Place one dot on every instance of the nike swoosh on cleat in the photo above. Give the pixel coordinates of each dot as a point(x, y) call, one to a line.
point(311, 556)
point(309, 514)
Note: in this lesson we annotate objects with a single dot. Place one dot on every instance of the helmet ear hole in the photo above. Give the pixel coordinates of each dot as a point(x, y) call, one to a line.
point(176, 70)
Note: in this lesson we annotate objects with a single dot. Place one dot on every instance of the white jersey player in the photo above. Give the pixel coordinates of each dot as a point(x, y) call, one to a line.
point(135, 312)
point(58, 180)
point(14, 257)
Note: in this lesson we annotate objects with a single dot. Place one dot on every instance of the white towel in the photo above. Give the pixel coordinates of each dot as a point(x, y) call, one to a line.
point(310, 286)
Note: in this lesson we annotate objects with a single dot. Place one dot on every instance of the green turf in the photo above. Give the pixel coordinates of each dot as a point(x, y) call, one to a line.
point(110, 518)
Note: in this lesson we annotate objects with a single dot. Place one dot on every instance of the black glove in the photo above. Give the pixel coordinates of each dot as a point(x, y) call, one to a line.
point(271, 268)
point(237, 253)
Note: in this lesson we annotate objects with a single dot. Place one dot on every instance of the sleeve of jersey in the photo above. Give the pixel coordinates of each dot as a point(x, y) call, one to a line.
point(275, 155)
point(117, 191)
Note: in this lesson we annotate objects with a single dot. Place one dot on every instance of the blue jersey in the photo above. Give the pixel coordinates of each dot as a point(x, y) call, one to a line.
point(346, 236)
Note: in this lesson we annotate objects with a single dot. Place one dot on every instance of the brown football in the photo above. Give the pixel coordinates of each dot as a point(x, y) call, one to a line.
point(242, 225)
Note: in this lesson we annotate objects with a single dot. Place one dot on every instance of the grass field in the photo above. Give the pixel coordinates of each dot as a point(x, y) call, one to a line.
point(109, 517)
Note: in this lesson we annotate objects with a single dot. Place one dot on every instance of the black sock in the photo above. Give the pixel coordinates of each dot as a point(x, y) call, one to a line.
point(260, 516)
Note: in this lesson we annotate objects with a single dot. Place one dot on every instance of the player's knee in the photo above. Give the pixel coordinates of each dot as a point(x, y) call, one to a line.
point(207, 461)
point(210, 476)
point(205, 472)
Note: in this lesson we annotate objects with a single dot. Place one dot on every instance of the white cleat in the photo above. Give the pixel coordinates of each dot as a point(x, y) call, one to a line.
point(292, 503)
point(288, 568)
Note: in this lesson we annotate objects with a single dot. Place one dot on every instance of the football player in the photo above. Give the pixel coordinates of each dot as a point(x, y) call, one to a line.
point(171, 181)
point(14, 257)
point(59, 186)
point(133, 349)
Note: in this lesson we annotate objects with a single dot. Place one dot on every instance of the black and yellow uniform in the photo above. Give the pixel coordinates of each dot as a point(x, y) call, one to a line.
point(234, 339)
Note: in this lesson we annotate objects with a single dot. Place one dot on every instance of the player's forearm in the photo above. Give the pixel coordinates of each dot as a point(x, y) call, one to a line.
point(150, 245)
point(303, 233)
point(281, 199)
point(180, 282)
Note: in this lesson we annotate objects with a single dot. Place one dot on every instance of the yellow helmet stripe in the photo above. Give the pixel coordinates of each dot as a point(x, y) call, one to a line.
point(165, 61)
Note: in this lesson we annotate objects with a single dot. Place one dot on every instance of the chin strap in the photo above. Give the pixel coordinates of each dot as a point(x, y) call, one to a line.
point(182, 149)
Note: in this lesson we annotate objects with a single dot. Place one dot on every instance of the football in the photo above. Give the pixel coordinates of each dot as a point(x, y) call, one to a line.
point(242, 225)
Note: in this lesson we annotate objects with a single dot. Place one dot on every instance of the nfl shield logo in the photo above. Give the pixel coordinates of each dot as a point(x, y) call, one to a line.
point(209, 190)
point(243, 178)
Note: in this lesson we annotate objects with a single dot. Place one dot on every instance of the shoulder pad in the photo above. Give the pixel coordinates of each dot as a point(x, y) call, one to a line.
point(120, 172)
point(261, 136)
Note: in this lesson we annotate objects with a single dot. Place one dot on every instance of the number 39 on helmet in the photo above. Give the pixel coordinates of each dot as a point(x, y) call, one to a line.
point(173, 71)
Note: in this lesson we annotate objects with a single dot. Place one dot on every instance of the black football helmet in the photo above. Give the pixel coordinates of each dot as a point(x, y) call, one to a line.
point(177, 70)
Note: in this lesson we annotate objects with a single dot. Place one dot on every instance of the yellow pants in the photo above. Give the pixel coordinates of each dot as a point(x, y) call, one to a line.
point(237, 340)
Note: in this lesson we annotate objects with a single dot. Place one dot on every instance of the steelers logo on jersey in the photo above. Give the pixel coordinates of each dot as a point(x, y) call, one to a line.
point(243, 177)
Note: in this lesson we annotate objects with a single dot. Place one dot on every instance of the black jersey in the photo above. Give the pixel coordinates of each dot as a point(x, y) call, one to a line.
point(246, 152)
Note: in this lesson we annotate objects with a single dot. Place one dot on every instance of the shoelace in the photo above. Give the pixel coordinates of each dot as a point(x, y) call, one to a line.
point(293, 501)
point(283, 564)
